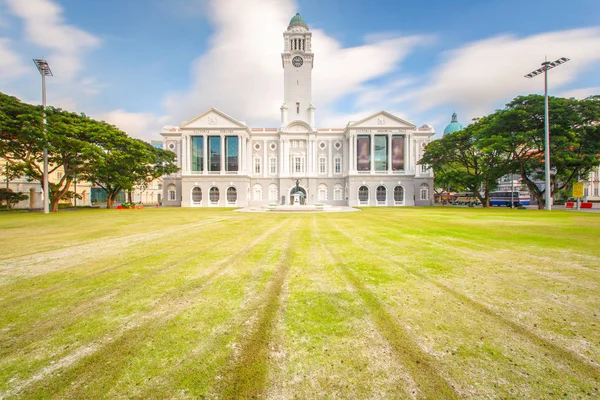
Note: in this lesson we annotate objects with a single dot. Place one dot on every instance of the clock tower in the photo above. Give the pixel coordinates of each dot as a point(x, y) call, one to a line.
point(297, 61)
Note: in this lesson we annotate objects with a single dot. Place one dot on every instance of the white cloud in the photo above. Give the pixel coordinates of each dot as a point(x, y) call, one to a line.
point(11, 65)
point(44, 26)
point(241, 73)
point(480, 74)
point(139, 125)
point(581, 93)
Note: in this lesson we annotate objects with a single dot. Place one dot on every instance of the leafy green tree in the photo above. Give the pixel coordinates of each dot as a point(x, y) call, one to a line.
point(126, 162)
point(574, 140)
point(11, 198)
point(463, 160)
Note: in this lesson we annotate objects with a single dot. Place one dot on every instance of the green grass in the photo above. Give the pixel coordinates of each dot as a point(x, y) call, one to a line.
point(382, 303)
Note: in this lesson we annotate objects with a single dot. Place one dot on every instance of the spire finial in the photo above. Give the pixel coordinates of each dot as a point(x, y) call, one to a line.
point(454, 117)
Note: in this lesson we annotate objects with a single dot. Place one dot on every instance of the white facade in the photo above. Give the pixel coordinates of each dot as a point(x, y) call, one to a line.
point(371, 162)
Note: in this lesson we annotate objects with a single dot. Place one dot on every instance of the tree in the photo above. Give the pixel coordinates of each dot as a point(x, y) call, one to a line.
point(574, 140)
point(465, 160)
point(126, 162)
point(11, 198)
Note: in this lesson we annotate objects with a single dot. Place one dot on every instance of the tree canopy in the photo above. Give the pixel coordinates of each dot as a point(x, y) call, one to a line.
point(511, 140)
point(83, 147)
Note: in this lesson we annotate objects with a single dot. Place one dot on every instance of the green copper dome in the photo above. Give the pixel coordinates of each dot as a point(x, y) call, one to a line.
point(453, 126)
point(297, 20)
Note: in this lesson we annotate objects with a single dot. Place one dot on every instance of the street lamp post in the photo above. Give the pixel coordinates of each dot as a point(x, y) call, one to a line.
point(546, 65)
point(44, 69)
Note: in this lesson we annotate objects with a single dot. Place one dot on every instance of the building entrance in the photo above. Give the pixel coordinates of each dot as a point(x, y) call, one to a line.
point(297, 195)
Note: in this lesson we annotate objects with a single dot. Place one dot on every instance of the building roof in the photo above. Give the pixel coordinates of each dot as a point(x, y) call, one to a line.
point(297, 20)
point(453, 126)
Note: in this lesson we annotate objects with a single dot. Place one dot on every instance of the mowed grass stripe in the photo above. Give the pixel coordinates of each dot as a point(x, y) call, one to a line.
point(246, 375)
point(423, 368)
point(129, 331)
point(100, 294)
point(217, 330)
point(582, 367)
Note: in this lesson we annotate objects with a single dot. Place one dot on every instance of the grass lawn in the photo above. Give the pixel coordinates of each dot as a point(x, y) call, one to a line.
point(382, 303)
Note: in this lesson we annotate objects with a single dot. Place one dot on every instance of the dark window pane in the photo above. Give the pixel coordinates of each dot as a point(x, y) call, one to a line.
point(381, 153)
point(363, 193)
point(363, 153)
point(214, 151)
point(197, 195)
point(381, 193)
point(231, 195)
point(232, 147)
point(397, 153)
point(197, 153)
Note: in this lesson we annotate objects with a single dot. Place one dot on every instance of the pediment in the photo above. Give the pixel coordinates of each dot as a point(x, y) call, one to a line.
point(382, 119)
point(298, 127)
point(214, 119)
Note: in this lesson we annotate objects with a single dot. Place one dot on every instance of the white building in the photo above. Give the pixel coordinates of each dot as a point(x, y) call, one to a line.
point(371, 162)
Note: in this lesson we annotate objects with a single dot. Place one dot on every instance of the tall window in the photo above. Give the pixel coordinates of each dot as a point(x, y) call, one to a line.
point(256, 165)
point(214, 151)
point(363, 153)
point(424, 191)
point(172, 192)
point(397, 153)
point(272, 165)
point(197, 153)
point(257, 192)
point(213, 195)
point(273, 192)
point(381, 193)
point(363, 194)
point(322, 192)
point(338, 192)
point(231, 194)
point(231, 153)
point(337, 165)
point(424, 169)
point(322, 165)
point(399, 194)
point(298, 164)
point(196, 195)
point(297, 108)
point(381, 153)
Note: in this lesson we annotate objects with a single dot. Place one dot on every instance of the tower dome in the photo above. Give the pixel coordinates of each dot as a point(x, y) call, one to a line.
point(453, 126)
point(297, 20)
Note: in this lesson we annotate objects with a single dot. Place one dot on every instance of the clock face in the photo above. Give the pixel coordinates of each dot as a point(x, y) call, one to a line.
point(297, 61)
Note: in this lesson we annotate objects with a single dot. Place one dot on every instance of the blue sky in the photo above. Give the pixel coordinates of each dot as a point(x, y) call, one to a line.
point(142, 64)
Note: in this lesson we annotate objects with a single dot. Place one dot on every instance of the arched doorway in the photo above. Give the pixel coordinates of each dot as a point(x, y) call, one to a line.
point(298, 190)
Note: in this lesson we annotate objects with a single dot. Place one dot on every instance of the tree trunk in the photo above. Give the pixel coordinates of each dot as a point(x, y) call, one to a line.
point(110, 200)
point(58, 195)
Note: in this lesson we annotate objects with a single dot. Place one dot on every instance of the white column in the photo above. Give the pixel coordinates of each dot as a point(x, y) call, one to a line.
point(204, 155)
point(281, 158)
point(330, 161)
point(314, 157)
point(184, 155)
point(222, 155)
point(352, 155)
point(265, 160)
point(389, 160)
point(309, 157)
point(372, 154)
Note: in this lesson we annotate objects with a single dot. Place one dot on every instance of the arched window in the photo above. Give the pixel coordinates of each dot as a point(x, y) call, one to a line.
point(231, 194)
point(172, 192)
point(322, 192)
point(399, 194)
point(338, 192)
point(196, 195)
point(257, 192)
point(273, 192)
point(381, 193)
point(424, 191)
point(363, 194)
point(213, 195)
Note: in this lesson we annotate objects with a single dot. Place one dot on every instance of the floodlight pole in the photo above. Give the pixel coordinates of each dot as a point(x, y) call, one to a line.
point(548, 190)
point(44, 69)
point(546, 65)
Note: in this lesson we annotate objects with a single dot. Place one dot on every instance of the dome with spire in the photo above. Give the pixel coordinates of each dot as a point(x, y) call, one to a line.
point(297, 20)
point(454, 125)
